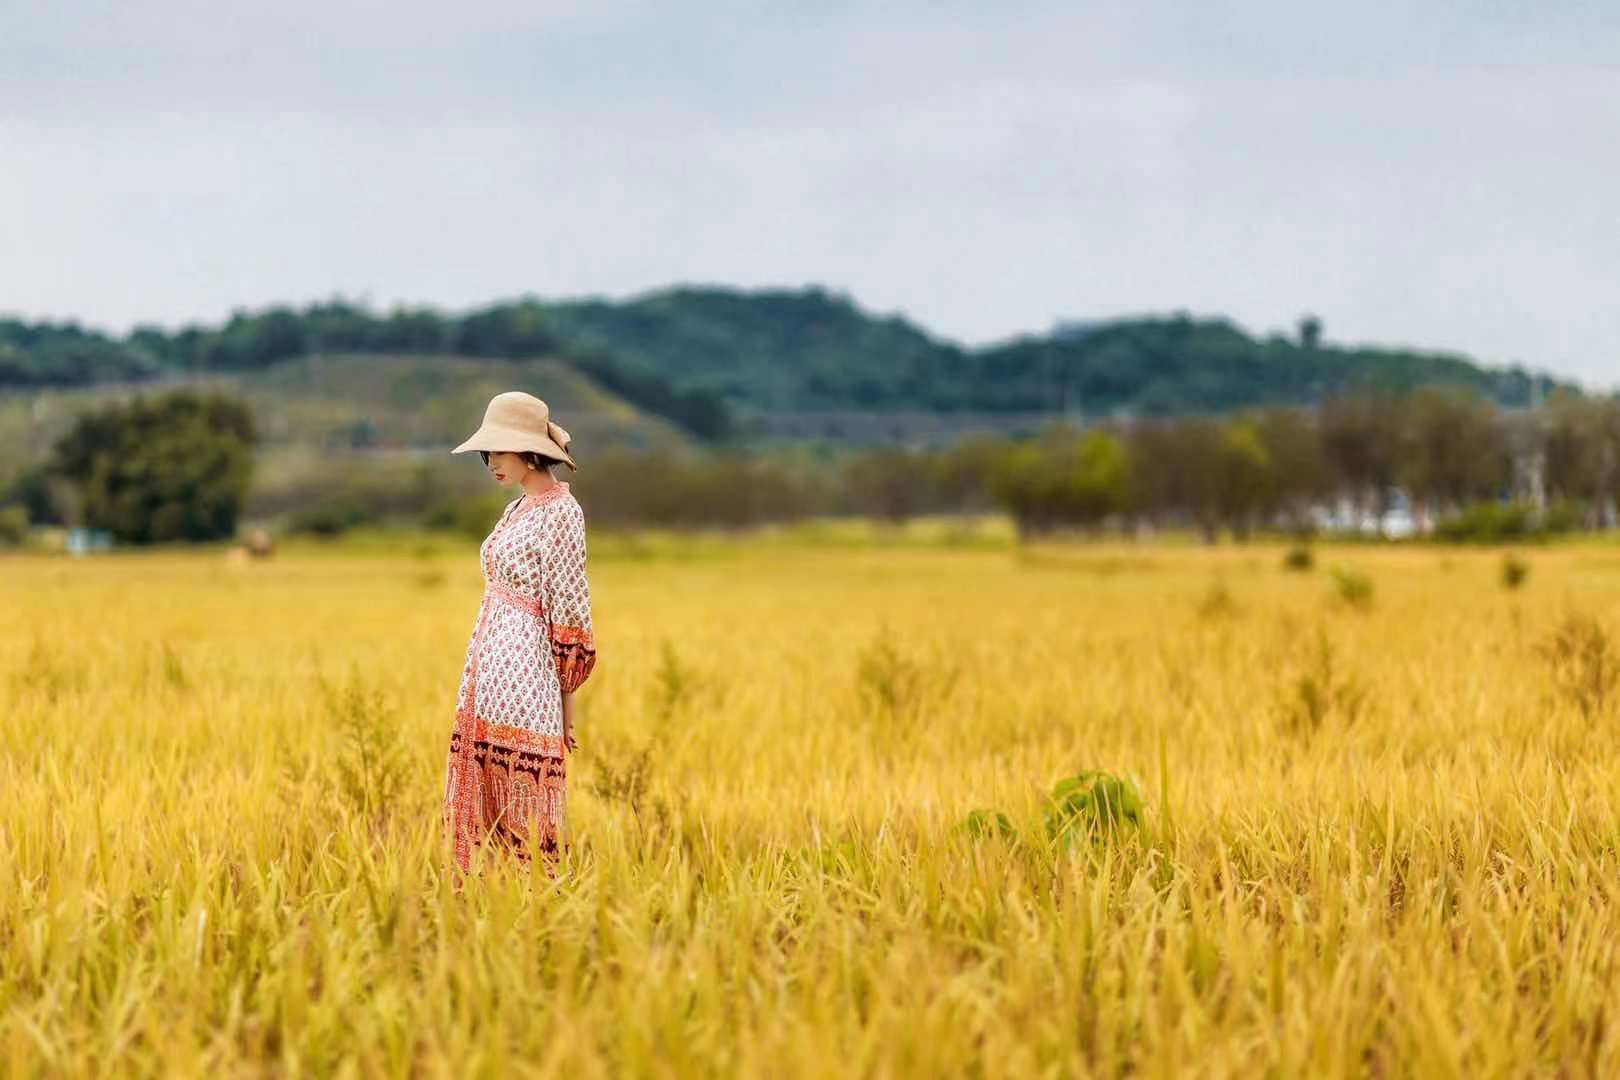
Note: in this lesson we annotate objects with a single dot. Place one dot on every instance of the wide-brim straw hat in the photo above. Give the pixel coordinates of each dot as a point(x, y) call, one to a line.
point(515, 422)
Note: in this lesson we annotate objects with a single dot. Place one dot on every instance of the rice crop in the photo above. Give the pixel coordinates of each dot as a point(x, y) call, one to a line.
point(812, 825)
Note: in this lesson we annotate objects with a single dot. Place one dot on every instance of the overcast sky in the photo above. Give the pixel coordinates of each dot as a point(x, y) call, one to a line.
point(1440, 174)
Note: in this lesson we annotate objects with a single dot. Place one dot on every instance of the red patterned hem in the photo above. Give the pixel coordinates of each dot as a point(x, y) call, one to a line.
point(505, 788)
point(516, 738)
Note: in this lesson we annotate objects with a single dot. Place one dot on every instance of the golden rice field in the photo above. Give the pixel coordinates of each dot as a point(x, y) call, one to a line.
point(1378, 839)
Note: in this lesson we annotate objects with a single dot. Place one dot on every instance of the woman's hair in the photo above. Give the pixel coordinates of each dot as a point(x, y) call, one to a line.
point(539, 461)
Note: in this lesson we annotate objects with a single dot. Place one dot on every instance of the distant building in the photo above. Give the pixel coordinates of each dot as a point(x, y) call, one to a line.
point(82, 541)
point(1343, 515)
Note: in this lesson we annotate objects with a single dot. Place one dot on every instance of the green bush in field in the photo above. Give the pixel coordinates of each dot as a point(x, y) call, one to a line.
point(1299, 558)
point(1083, 809)
point(1353, 587)
point(1495, 523)
point(1217, 601)
point(987, 822)
point(1090, 806)
point(1486, 523)
point(13, 525)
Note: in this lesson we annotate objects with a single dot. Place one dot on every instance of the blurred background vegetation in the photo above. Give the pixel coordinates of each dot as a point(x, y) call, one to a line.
point(724, 408)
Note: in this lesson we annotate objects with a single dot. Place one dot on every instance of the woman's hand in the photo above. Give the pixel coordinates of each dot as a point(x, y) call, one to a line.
point(568, 722)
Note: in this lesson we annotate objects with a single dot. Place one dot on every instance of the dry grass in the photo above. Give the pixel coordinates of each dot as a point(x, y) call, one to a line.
point(219, 838)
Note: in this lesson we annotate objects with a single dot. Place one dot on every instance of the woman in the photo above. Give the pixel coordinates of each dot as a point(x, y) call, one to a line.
point(531, 646)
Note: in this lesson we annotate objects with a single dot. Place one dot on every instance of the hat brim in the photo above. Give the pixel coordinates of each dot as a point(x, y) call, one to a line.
point(496, 439)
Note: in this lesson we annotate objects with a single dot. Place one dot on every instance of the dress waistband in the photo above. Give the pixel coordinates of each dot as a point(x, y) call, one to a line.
point(513, 597)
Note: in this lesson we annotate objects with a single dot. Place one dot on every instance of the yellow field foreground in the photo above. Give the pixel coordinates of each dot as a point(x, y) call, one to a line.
point(1380, 837)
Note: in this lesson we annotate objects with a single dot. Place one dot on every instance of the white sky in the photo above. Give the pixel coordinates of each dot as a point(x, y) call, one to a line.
point(1438, 174)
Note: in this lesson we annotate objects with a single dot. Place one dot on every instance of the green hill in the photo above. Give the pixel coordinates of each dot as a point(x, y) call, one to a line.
point(62, 355)
point(348, 402)
point(433, 402)
point(770, 351)
point(704, 357)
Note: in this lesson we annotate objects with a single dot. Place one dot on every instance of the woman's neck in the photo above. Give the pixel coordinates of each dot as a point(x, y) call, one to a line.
point(538, 483)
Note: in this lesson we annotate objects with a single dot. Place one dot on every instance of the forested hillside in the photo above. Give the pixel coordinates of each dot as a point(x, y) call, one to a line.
point(811, 349)
point(701, 356)
point(66, 355)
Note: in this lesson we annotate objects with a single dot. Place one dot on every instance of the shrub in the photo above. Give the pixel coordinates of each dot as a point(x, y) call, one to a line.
point(1486, 523)
point(987, 822)
point(13, 525)
point(890, 682)
point(1562, 517)
point(898, 687)
point(623, 775)
point(1320, 692)
point(1353, 587)
point(1585, 670)
point(1497, 523)
point(676, 684)
point(1514, 571)
point(372, 763)
point(174, 672)
point(1217, 601)
point(1091, 806)
point(1299, 558)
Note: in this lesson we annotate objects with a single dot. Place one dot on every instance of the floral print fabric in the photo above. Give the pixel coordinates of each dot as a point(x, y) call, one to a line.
point(531, 642)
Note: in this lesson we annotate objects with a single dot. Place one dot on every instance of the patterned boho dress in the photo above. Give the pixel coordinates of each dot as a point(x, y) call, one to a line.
point(531, 642)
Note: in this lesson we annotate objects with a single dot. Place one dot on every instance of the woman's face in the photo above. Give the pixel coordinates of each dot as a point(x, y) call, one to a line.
point(506, 467)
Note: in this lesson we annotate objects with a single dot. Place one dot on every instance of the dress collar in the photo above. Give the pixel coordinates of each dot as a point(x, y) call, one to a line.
point(552, 492)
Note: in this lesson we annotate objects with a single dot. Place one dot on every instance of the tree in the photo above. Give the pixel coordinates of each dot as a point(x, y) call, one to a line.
point(1580, 446)
point(1098, 479)
point(891, 483)
point(1062, 479)
point(1023, 481)
point(1299, 468)
point(1310, 332)
point(43, 496)
point(1245, 486)
point(1451, 450)
point(171, 467)
point(1175, 472)
point(1359, 435)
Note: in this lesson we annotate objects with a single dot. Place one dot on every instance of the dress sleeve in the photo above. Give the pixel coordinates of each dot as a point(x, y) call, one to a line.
point(568, 598)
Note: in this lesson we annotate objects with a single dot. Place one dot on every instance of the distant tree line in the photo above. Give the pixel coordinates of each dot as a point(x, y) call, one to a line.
point(36, 355)
point(178, 467)
point(701, 356)
point(1468, 470)
point(1448, 453)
